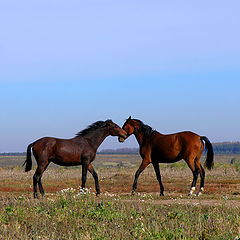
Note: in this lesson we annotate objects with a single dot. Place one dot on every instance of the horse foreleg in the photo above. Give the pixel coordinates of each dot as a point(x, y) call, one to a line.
point(95, 176)
point(143, 165)
point(84, 174)
point(157, 171)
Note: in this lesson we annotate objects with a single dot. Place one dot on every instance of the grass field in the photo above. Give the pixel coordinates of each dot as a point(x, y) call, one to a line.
point(67, 212)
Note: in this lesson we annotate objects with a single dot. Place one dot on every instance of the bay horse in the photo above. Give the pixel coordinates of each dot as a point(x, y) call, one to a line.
point(80, 150)
point(156, 148)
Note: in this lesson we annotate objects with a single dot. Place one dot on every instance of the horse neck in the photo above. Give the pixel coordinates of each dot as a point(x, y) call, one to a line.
point(96, 138)
point(139, 136)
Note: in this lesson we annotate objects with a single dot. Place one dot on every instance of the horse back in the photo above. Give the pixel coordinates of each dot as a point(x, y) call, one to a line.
point(65, 152)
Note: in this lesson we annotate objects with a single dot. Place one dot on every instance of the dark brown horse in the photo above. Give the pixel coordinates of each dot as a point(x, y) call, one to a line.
point(80, 150)
point(157, 148)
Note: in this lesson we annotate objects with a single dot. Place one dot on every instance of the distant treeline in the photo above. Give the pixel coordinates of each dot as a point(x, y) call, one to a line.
point(120, 151)
point(226, 148)
point(13, 154)
point(218, 148)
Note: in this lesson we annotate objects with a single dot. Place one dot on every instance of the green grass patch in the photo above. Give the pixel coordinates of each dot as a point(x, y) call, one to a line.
point(75, 215)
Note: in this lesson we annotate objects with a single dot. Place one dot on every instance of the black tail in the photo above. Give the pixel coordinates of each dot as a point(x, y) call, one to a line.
point(209, 161)
point(28, 161)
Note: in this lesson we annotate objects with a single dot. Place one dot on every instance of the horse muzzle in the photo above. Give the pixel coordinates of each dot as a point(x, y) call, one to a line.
point(121, 139)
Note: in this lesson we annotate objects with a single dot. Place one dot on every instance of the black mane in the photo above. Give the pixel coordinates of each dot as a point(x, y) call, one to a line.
point(92, 128)
point(147, 130)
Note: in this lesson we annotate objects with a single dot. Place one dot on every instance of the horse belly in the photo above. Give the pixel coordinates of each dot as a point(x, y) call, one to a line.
point(66, 161)
point(64, 158)
point(165, 156)
point(168, 160)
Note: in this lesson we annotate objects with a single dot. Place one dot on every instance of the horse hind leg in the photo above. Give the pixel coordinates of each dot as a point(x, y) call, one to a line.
point(40, 186)
point(37, 181)
point(195, 173)
point(202, 175)
point(40, 181)
point(193, 186)
point(201, 170)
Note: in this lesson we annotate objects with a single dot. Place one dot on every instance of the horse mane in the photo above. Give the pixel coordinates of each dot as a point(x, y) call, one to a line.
point(92, 128)
point(147, 130)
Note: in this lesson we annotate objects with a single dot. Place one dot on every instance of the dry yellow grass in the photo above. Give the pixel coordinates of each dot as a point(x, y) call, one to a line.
point(116, 174)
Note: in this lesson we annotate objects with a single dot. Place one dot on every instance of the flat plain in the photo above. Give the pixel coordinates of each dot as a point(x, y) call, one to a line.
point(68, 212)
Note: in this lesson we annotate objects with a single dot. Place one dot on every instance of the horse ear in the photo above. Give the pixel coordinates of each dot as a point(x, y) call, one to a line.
point(129, 118)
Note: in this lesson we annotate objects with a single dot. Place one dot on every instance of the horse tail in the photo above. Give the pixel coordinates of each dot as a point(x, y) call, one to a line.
point(209, 161)
point(28, 161)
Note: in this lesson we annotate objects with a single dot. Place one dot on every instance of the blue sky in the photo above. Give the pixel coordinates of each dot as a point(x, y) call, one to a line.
point(64, 65)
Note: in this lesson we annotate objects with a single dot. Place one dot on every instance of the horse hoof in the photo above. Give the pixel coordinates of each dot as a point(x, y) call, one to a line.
point(97, 194)
point(191, 191)
point(133, 193)
point(199, 193)
point(161, 195)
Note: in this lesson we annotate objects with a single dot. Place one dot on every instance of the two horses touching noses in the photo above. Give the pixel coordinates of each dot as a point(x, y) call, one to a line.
point(154, 148)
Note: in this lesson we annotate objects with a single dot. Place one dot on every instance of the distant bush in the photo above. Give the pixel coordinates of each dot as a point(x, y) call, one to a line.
point(236, 163)
point(235, 160)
